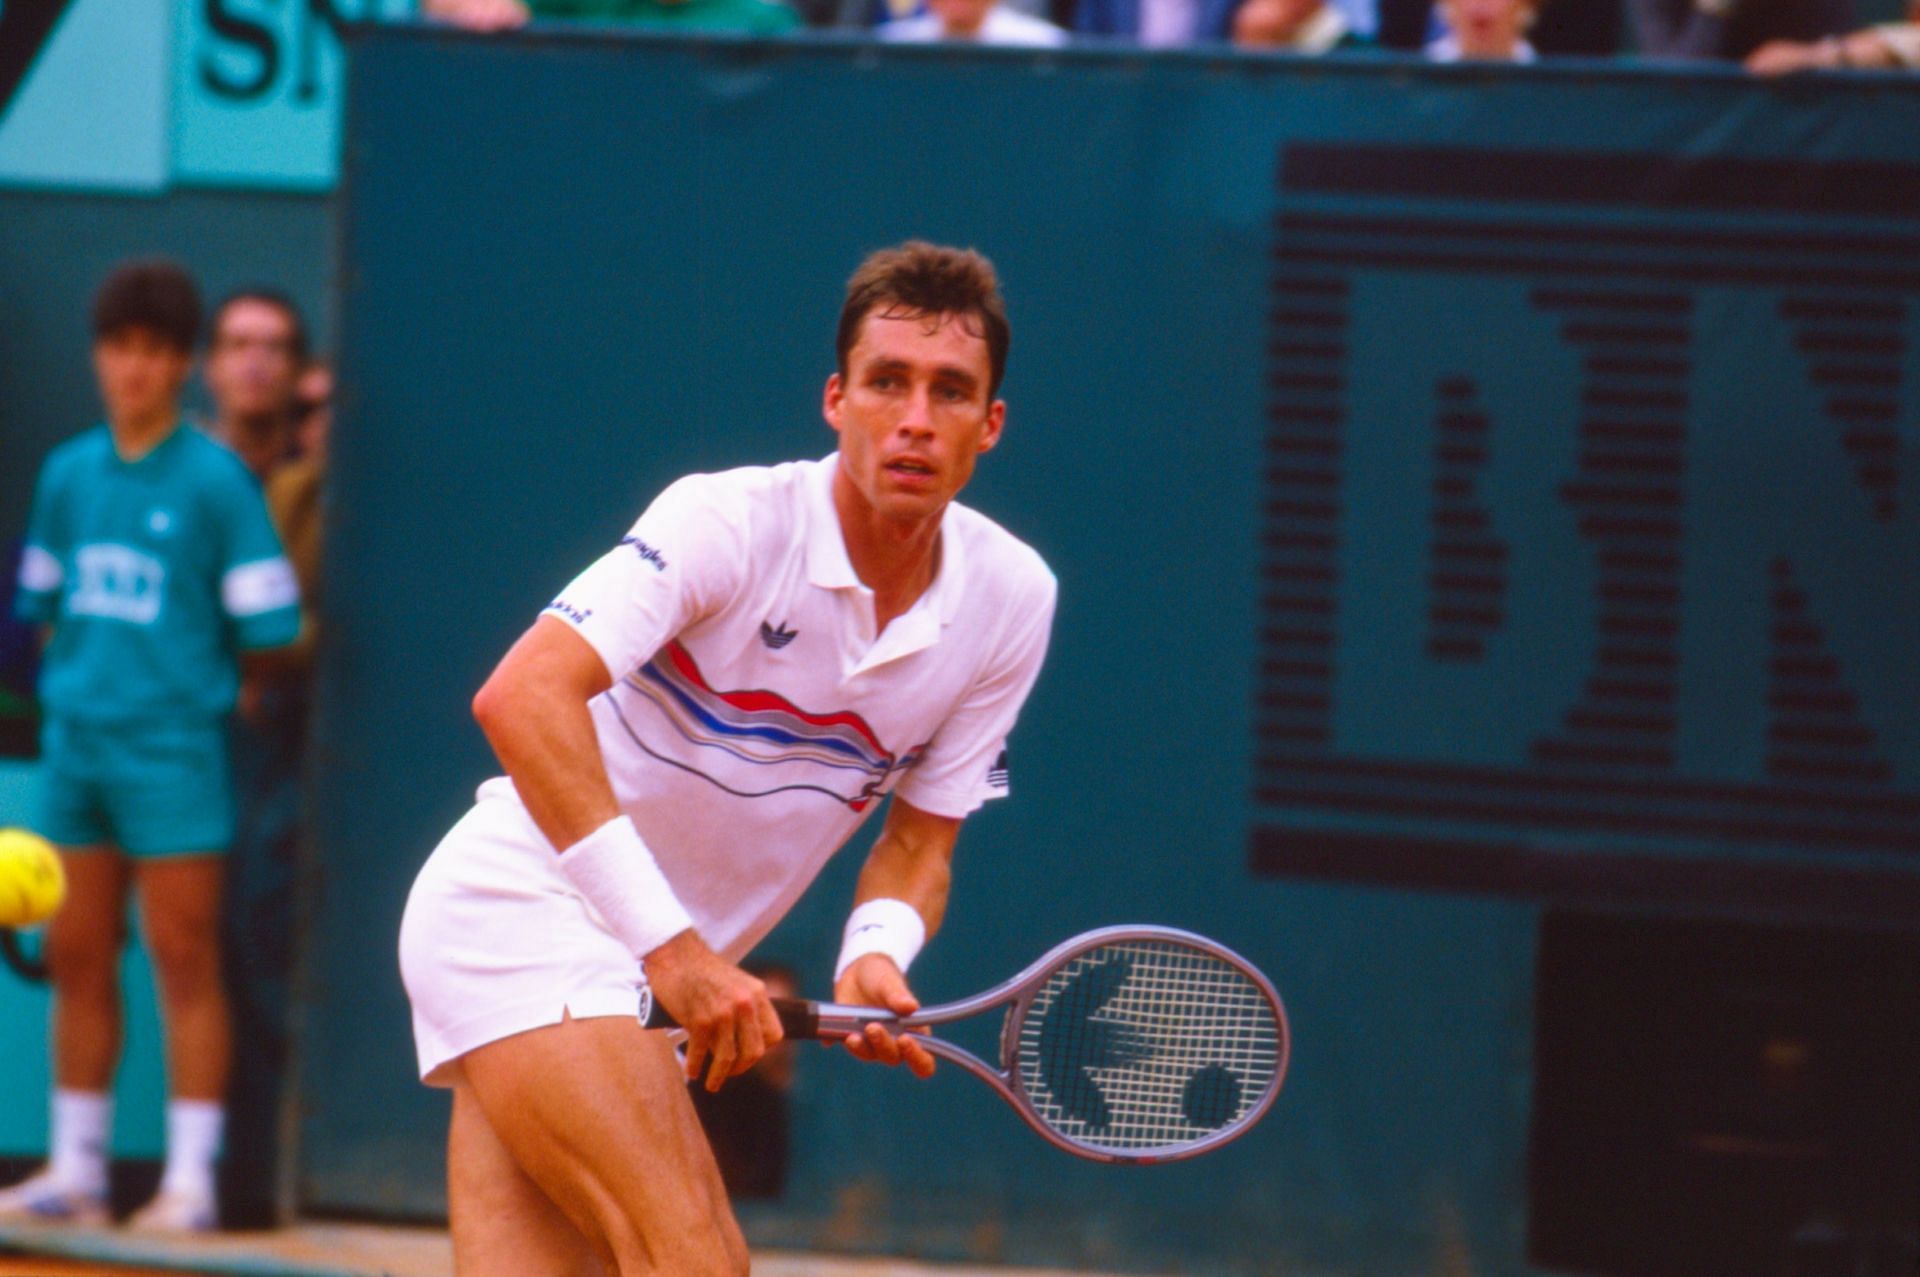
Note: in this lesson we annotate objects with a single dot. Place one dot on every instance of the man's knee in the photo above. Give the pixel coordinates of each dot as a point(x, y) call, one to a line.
point(738, 1258)
point(186, 958)
point(82, 962)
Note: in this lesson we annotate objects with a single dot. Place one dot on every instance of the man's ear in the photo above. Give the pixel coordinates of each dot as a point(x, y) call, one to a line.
point(831, 400)
point(996, 423)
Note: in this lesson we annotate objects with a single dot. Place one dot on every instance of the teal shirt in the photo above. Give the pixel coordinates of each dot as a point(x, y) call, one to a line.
point(751, 17)
point(154, 575)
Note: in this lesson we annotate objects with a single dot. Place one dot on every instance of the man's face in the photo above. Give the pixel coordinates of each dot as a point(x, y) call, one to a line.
point(1261, 24)
point(251, 366)
point(961, 15)
point(140, 373)
point(912, 412)
point(1488, 28)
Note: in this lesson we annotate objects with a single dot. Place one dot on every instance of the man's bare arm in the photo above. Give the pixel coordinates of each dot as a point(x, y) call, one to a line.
point(913, 862)
point(533, 709)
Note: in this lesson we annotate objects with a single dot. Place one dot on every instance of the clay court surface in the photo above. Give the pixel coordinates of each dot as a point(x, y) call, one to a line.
point(354, 1250)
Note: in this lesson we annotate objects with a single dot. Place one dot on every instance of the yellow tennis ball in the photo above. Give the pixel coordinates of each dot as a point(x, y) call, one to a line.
point(32, 884)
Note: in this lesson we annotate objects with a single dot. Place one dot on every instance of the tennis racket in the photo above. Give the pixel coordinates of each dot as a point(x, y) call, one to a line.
point(1131, 1044)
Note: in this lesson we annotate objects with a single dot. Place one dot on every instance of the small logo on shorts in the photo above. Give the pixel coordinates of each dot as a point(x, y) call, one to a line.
point(997, 774)
point(777, 638)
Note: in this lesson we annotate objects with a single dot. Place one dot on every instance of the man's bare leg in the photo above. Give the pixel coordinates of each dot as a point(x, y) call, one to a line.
point(83, 964)
point(500, 1220)
point(596, 1113)
point(180, 913)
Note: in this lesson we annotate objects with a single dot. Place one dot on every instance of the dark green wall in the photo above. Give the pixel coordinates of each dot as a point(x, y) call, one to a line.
point(548, 313)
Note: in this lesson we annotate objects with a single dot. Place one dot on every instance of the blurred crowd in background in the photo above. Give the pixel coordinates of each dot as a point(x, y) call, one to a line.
point(1768, 37)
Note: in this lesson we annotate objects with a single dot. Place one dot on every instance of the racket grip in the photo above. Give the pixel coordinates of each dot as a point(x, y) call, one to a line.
point(799, 1017)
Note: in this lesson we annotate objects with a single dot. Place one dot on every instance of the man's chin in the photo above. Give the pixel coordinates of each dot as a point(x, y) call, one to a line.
point(911, 507)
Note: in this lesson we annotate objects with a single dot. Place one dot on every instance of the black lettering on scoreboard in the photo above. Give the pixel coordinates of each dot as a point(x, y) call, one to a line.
point(1591, 555)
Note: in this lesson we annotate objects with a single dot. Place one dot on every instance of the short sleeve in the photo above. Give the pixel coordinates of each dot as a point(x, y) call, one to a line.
point(44, 556)
point(682, 561)
point(258, 590)
point(966, 762)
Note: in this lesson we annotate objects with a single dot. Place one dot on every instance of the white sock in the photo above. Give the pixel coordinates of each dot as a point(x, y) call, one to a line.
point(81, 1123)
point(194, 1128)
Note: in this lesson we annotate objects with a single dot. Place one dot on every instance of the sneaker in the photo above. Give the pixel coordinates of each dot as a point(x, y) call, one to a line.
point(177, 1210)
point(43, 1199)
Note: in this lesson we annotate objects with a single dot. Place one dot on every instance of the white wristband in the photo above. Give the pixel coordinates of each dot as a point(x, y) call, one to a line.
point(613, 869)
point(892, 927)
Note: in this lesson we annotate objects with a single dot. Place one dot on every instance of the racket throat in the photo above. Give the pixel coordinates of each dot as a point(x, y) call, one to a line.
point(835, 1020)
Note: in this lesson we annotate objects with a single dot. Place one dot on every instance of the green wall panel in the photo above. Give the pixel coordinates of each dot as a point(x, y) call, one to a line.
point(548, 314)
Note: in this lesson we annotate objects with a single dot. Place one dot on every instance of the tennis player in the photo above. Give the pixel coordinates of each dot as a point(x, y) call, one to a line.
point(700, 720)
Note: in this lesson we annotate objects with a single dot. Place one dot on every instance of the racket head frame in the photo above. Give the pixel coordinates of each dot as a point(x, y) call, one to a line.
point(1018, 995)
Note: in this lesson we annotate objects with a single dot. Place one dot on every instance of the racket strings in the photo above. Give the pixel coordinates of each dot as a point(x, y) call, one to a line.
point(1147, 1045)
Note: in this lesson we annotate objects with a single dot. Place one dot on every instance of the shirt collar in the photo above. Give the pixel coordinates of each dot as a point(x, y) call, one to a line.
point(829, 567)
point(827, 563)
point(151, 455)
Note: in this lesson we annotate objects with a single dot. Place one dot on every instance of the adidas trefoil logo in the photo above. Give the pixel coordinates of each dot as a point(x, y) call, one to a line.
point(777, 638)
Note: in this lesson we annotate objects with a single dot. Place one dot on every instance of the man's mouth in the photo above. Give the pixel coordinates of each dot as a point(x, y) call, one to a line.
point(909, 467)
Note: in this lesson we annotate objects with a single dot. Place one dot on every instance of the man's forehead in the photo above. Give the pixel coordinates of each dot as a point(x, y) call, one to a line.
point(135, 335)
point(254, 314)
point(918, 336)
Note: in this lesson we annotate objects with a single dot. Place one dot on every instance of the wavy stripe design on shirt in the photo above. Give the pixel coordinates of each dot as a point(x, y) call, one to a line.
point(763, 728)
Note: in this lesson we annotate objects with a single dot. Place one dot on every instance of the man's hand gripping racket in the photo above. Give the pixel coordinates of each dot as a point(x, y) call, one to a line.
point(1128, 1044)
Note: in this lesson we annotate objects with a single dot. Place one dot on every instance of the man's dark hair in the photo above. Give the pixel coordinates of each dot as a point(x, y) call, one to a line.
point(152, 293)
point(266, 295)
point(918, 278)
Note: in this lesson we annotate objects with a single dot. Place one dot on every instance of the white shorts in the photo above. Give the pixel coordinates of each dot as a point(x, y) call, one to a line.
point(495, 941)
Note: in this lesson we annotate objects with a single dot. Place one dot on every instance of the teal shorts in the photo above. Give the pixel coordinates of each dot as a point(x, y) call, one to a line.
point(152, 789)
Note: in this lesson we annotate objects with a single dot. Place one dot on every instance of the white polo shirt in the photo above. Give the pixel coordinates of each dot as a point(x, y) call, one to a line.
point(755, 719)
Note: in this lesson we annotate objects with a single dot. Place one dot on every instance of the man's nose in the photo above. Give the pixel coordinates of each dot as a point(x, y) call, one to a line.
point(918, 417)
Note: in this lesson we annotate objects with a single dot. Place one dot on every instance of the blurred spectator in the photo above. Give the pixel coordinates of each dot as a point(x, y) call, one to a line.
point(478, 15)
point(747, 1119)
point(749, 17)
point(152, 563)
point(977, 21)
point(1293, 26)
point(1565, 28)
point(1484, 31)
point(1732, 29)
point(1157, 24)
point(256, 368)
point(881, 13)
point(1890, 46)
point(258, 348)
point(293, 489)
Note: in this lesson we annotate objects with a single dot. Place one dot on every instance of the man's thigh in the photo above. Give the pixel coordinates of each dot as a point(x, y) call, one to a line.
point(596, 1113)
point(503, 1224)
point(180, 904)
